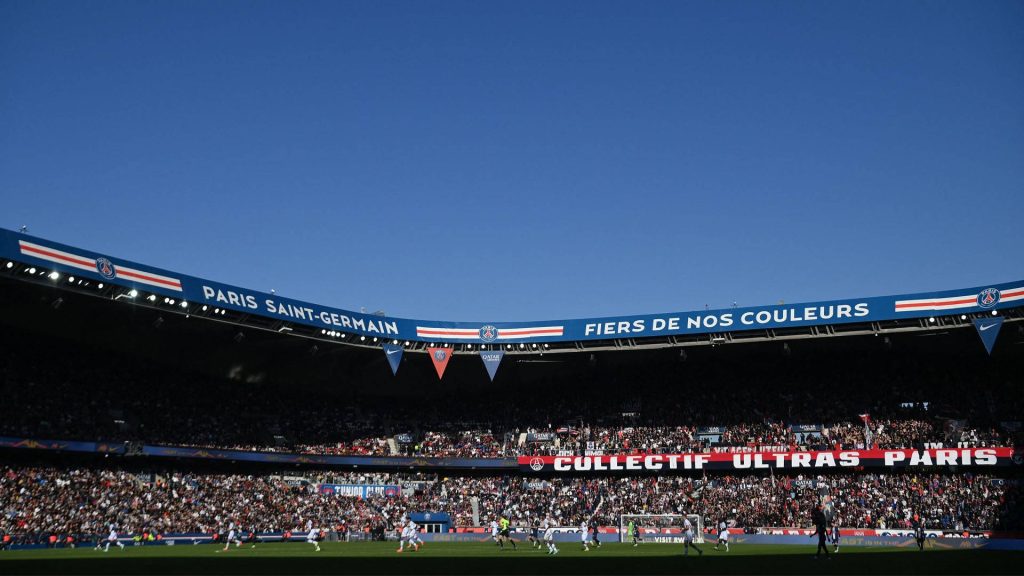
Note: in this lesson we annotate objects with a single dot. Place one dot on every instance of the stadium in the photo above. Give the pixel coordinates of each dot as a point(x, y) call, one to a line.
point(158, 422)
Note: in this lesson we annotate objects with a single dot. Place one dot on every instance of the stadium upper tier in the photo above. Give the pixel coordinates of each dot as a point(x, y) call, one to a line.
point(30, 258)
point(133, 379)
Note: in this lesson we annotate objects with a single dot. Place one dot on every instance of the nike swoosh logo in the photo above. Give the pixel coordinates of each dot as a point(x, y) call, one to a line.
point(983, 328)
point(390, 352)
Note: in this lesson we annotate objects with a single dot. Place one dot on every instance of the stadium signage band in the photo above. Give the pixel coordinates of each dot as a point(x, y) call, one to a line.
point(815, 460)
point(360, 490)
point(107, 268)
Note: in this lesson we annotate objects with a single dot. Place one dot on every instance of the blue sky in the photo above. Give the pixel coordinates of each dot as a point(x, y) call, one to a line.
point(524, 160)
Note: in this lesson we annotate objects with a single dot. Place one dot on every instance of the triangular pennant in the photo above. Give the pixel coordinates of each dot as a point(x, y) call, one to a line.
point(988, 329)
point(491, 360)
point(440, 357)
point(394, 354)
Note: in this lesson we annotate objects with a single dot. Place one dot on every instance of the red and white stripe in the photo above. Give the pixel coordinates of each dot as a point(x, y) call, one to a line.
point(954, 302)
point(89, 264)
point(134, 275)
point(535, 332)
point(1012, 294)
point(474, 333)
point(58, 256)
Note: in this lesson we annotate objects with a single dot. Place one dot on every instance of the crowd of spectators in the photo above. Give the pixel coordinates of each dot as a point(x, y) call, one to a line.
point(36, 502)
point(58, 390)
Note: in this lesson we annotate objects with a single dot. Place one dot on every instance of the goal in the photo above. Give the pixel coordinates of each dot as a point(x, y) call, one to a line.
point(660, 528)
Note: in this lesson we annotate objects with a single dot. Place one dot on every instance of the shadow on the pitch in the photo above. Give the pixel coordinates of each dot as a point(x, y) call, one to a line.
point(945, 562)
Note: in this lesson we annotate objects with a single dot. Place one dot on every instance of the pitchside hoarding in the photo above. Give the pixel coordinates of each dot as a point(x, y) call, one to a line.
point(110, 269)
point(783, 461)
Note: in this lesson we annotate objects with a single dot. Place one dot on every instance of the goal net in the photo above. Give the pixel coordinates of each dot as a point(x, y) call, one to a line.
point(660, 528)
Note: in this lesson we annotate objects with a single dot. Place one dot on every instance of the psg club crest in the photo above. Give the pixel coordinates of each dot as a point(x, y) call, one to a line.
point(440, 355)
point(488, 333)
point(988, 298)
point(105, 268)
point(536, 464)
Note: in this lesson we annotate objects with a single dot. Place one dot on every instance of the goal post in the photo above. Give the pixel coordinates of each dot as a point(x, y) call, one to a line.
point(660, 528)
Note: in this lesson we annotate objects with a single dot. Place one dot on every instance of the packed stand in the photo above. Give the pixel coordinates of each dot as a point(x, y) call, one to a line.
point(36, 502)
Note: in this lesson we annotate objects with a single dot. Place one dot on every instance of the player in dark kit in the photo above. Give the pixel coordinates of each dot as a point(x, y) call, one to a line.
point(249, 538)
point(821, 531)
point(593, 527)
point(535, 533)
point(919, 535)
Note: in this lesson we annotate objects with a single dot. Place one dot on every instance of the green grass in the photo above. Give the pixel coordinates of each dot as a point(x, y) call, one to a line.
point(486, 558)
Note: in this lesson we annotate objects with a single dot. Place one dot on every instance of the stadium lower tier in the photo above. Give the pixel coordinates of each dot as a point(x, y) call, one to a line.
point(37, 502)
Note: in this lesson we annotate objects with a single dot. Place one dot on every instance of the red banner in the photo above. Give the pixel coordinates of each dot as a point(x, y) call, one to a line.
point(440, 356)
point(824, 460)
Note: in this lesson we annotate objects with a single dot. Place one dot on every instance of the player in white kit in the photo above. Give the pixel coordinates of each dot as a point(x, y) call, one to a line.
point(312, 538)
point(549, 536)
point(414, 535)
point(494, 530)
point(112, 539)
point(723, 535)
point(688, 538)
point(406, 535)
point(585, 536)
point(233, 536)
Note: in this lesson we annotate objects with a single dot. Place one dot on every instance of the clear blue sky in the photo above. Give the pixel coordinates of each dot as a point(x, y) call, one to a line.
point(489, 161)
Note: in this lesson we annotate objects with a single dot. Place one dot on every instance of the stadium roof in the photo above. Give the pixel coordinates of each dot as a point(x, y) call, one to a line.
point(37, 260)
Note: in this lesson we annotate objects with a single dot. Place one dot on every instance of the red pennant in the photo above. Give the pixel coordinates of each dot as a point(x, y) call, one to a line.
point(440, 356)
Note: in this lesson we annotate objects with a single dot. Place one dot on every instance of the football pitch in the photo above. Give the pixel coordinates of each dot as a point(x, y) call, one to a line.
point(486, 558)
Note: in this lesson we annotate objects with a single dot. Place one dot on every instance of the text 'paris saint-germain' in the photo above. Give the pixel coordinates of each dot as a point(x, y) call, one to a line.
point(292, 311)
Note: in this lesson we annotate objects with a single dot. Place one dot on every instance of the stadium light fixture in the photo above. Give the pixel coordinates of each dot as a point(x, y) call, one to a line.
point(375, 340)
point(205, 307)
point(54, 275)
point(534, 346)
point(133, 293)
point(100, 285)
point(521, 346)
point(31, 270)
point(184, 304)
point(963, 316)
point(151, 297)
point(932, 319)
point(508, 346)
point(994, 313)
point(469, 346)
point(395, 342)
point(71, 279)
point(362, 338)
point(546, 346)
point(406, 342)
point(10, 264)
